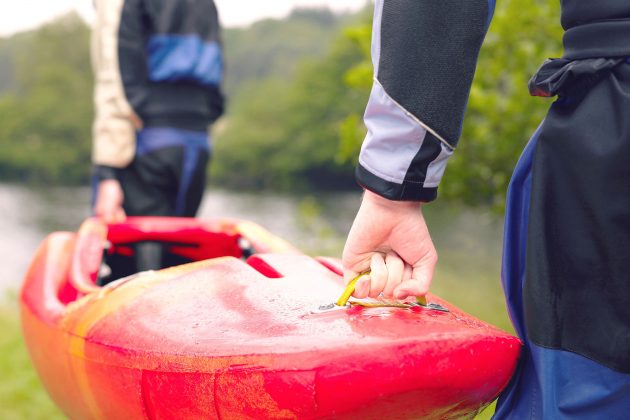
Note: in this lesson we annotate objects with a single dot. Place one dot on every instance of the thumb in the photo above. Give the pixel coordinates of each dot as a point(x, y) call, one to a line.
point(120, 215)
point(348, 275)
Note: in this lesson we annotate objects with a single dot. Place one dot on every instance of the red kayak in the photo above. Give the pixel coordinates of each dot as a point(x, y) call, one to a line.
point(235, 337)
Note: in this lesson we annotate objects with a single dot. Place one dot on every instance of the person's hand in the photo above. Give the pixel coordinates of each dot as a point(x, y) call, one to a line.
point(391, 239)
point(109, 201)
point(136, 121)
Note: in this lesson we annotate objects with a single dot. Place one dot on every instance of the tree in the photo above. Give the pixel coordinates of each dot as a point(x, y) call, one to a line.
point(273, 48)
point(284, 135)
point(45, 123)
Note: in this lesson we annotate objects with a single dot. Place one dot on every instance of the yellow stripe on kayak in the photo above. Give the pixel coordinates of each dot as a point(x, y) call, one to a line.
point(81, 318)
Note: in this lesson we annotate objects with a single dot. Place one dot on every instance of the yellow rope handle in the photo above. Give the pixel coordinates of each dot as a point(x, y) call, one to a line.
point(422, 300)
point(349, 290)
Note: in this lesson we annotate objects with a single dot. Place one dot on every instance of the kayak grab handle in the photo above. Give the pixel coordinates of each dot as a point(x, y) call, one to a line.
point(349, 290)
point(87, 256)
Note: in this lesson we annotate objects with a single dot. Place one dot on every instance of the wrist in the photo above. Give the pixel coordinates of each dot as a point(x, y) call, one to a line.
point(379, 201)
point(110, 189)
point(109, 183)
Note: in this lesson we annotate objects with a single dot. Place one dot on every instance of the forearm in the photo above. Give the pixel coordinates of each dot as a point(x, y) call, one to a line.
point(424, 55)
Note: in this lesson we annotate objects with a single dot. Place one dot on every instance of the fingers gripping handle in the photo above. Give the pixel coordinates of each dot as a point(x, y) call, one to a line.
point(349, 290)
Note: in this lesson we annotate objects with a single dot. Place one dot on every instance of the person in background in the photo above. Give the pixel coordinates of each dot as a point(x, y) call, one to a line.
point(158, 68)
point(566, 264)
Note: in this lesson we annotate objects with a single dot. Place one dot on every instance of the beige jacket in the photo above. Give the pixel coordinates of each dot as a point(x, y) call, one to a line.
point(114, 136)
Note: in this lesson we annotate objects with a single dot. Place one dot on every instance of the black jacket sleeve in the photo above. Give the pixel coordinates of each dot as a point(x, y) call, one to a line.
point(424, 54)
point(132, 39)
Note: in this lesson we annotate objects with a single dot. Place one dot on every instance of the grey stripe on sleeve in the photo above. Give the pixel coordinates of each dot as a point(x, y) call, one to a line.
point(436, 169)
point(393, 138)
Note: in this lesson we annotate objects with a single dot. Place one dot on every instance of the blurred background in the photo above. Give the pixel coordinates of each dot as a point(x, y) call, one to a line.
point(298, 78)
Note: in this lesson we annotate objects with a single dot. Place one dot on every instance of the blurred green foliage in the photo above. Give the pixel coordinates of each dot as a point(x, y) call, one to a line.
point(297, 88)
point(285, 135)
point(45, 119)
point(273, 48)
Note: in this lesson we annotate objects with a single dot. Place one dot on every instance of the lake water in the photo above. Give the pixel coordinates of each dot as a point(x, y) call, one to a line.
point(27, 215)
point(468, 241)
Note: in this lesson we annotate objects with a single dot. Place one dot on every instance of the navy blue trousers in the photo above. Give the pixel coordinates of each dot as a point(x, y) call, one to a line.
point(168, 174)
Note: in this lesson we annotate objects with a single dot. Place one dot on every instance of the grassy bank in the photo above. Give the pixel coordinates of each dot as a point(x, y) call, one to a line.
point(21, 393)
